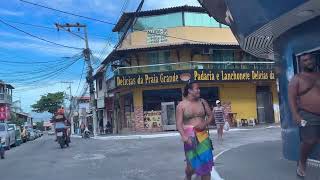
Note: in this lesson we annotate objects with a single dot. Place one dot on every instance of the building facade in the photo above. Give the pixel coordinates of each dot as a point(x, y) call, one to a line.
point(5, 101)
point(166, 48)
point(287, 30)
point(81, 115)
point(104, 99)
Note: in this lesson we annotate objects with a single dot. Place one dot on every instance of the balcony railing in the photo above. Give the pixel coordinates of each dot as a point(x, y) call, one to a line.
point(5, 98)
point(194, 65)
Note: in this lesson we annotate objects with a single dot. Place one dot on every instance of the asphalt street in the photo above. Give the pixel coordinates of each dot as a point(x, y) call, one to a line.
point(137, 159)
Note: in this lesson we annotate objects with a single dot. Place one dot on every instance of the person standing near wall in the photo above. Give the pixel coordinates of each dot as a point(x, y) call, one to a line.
point(218, 114)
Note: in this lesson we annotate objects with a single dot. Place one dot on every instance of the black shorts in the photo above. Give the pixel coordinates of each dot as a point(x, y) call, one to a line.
point(312, 130)
point(310, 133)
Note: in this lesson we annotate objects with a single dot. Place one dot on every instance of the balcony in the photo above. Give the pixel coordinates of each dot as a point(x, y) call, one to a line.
point(5, 98)
point(214, 65)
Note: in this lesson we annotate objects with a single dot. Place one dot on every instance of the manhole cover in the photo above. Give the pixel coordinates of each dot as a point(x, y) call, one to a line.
point(85, 157)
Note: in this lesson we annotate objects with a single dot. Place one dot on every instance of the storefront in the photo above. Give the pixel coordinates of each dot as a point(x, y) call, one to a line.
point(148, 101)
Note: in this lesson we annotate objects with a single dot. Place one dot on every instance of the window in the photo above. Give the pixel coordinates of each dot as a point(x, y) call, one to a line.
point(152, 99)
point(210, 94)
point(222, 55)
point(158, 57)
point(200, 19)
point(100, 84)
point(158, 22)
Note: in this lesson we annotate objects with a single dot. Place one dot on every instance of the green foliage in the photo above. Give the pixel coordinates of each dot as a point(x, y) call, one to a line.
point(15, 120)
point(49, 103)
point(39, 126)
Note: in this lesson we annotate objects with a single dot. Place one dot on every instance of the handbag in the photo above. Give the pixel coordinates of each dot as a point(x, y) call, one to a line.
point(206, 115)
point(226, 126)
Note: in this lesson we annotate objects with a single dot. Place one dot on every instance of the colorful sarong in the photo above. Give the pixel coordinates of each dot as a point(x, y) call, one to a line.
point(199, 154)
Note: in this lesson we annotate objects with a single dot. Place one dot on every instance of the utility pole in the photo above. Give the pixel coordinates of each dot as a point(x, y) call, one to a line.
point(69, 87)
point(86, 54)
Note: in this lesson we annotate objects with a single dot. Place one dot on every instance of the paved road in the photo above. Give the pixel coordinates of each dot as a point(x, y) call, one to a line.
point(260, 161)
point(142, 159)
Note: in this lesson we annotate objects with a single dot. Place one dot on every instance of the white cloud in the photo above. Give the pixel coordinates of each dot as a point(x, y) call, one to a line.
point(5, 12)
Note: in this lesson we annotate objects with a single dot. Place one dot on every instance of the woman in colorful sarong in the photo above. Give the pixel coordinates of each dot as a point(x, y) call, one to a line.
point(193, 117)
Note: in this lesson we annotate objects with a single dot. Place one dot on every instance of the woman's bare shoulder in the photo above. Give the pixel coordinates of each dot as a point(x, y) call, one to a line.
point(182, 104)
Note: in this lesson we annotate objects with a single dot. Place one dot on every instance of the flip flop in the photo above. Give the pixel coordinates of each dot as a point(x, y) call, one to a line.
point(299, 174)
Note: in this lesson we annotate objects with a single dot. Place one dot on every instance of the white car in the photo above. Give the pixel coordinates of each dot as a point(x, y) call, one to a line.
point(8, 135)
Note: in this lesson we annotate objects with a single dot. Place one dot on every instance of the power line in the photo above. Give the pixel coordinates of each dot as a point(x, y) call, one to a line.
point(81, 77)
point(37, 37)
point(49, 66)
point(52, 28)
point(137, 29)
point(41, 77)
point(65, 12)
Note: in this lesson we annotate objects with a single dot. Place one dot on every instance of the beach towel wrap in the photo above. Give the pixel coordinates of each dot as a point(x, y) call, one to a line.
point(199, 154)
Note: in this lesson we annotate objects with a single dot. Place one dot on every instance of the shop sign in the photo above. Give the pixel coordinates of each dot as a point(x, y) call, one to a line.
point(174, 77)
point(152, 119)
point(157, 36)
point(4, 112)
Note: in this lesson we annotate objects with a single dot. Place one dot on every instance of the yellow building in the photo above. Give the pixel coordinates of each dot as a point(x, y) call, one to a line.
point(163, 49)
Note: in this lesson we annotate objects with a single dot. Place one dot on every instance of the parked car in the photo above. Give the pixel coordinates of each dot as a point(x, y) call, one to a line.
point(51, 132)
point(39, 133)
point(8, 134)
point(31, 134)
point(17, 133)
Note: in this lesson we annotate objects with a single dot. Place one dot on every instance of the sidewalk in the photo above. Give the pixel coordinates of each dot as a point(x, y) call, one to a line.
point(171, 133)
point(261, 161)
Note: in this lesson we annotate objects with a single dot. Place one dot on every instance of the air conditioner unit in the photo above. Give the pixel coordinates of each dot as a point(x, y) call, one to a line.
point(207, 51)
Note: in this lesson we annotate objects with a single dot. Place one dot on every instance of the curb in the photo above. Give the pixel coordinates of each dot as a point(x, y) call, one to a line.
point(163, 135)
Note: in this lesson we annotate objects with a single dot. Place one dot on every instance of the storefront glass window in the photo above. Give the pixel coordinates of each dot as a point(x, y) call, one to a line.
point(210, 94)
point(152, 99)
point(200, 19)
point(158, 22)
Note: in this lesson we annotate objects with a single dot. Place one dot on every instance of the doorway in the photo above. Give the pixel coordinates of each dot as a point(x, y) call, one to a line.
point(265, 105)
point(168, 116)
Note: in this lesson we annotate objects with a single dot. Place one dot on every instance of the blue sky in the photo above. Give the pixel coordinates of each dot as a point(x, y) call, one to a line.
point(24, 59)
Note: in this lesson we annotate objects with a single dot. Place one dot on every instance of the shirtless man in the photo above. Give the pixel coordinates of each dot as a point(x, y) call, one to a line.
point(304, 100)
point(191, 117)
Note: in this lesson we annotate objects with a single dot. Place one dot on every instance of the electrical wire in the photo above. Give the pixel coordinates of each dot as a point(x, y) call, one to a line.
point(50, 75)
point(81, 77)
point(37, 37)
point(51, 28)
point(65, 12)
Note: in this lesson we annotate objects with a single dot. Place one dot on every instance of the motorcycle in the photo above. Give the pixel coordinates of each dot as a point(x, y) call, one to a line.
point(2, 150)
point(62, 136)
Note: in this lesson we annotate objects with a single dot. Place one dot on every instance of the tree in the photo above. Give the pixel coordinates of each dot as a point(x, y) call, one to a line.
point(49, 103)
point(15, 120)
point(39, 126)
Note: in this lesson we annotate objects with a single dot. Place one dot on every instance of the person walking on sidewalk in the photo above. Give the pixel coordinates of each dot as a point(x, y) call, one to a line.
point(304, 100)
point(192, 125)
point(218, 114)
